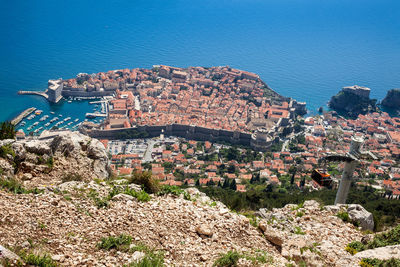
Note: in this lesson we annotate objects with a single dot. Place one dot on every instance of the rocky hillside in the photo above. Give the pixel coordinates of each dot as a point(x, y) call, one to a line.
point(113, 222)
point(60, 156)
point(67, 223)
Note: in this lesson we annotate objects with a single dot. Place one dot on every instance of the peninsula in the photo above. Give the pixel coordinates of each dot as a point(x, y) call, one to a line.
point(215, 104)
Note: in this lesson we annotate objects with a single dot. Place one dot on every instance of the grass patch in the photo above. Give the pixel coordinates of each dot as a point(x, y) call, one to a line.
point(388, 238)
point(13, 186)
point(37, 260)
point(299, 214)
point(298, 231)
point(121, 243)
point(231, 258)
point(228, 259)
point(173, 190)
point(152, 259)
point(380, 263)
point(141, 196)
point(344, 216)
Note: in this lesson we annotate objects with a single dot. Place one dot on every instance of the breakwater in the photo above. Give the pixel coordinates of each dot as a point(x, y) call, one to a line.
point(39, 93)
point(22, 115)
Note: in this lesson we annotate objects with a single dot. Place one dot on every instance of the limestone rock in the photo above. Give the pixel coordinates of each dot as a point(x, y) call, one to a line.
point(382, 253)
point(48, 159)
point(273, 236)
point(204, 230)
point(362, 216)
point(6, 167)
point(8, 255)
point(123, 197)
point(356, 212)
point(137, 256)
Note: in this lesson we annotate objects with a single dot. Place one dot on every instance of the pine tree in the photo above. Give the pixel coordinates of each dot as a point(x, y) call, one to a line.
point(198, 182)
point(226, 183)
point(7, 130)
point(233, 185)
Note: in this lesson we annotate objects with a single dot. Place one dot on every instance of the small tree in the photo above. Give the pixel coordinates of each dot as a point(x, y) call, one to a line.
point(150, 185)
point(7, 130)
point(233, 185)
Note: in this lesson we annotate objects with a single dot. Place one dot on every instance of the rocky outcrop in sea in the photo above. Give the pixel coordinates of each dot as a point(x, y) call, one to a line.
point(352, 101)
point(392, 99)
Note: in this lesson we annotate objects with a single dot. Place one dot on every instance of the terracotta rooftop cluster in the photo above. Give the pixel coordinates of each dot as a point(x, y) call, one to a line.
point(217, 97)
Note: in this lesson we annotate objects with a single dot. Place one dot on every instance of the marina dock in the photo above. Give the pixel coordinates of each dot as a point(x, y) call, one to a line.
point(22, 115)
point(94, 115)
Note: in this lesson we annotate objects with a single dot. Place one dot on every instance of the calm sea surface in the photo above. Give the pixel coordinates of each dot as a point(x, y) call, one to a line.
point(306, 49)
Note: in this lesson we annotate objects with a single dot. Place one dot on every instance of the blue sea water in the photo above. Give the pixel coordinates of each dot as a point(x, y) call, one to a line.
point(306, 49)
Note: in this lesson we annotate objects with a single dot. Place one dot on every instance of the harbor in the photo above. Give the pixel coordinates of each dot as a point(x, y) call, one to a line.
point(33, 121)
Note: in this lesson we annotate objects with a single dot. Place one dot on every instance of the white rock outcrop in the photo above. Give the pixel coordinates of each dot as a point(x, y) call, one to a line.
point(50, 158)
point(357, 214)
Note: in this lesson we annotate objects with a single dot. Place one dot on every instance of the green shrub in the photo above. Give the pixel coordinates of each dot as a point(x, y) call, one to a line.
point(50, 162)
point(13, 186)
point(298, 231)
point(7, 130)
point(389, 238)
point(140, 196)
point(152, 259)
point(299, 214)
point(173, 190)
point(344, 216)
point(37, 260)
point(146, 180)
point(6, 150)
point(380, 263)
point(229, 259)
point(121, 242)
point(354, 247)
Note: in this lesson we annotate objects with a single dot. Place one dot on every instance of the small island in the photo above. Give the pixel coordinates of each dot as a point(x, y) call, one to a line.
point(352, 101)
point(392, 99)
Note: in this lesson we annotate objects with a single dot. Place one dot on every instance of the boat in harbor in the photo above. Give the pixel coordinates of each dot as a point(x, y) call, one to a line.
point(38, 112)
point(36, 123)
point(31, 117)
point(76, 120)
point(44, 118)
point(52, 112)
point(47, 124)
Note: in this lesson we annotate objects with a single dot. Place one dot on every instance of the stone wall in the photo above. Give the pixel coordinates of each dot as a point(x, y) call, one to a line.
point(180, 130)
